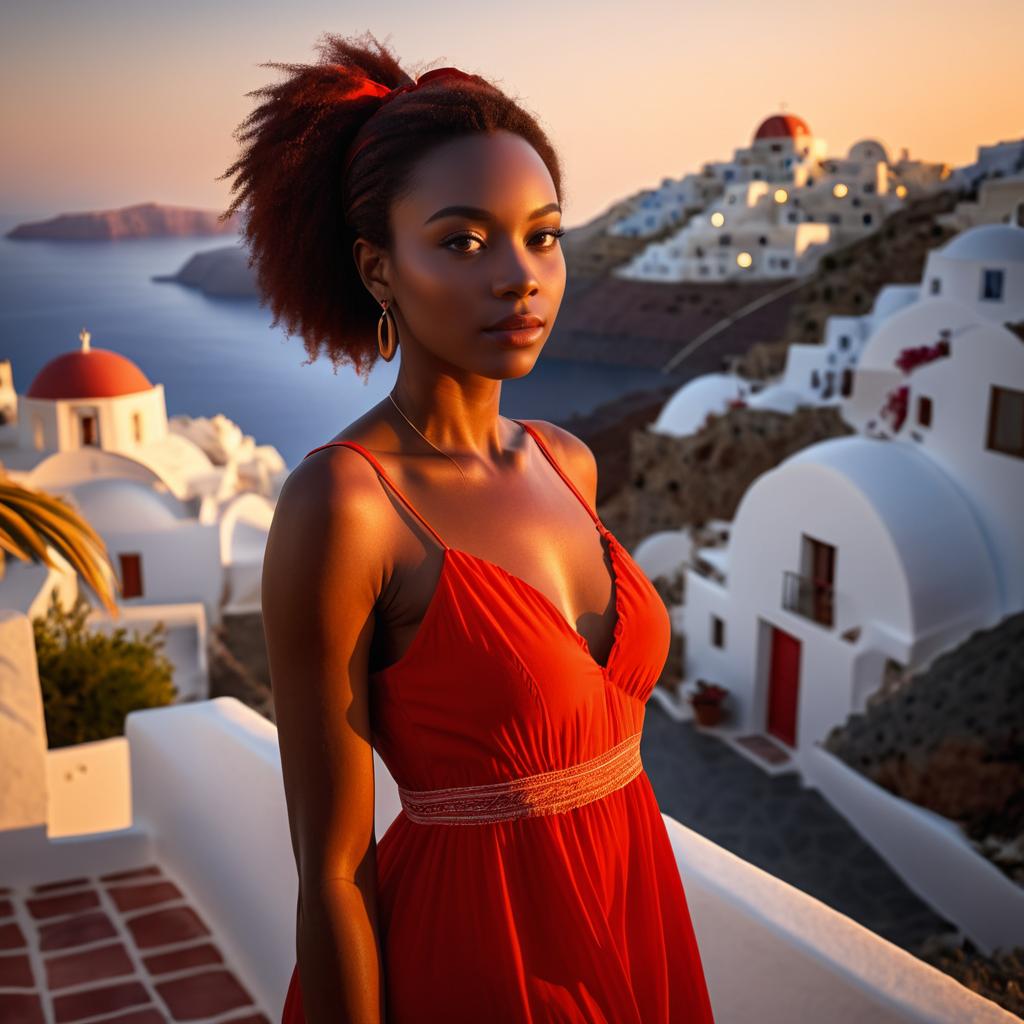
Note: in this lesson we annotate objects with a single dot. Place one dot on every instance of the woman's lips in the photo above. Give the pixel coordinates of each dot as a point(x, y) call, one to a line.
point(520, 337)
point(516, 331)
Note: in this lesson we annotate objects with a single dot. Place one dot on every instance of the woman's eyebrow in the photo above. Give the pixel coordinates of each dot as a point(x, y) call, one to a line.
point(476, 213)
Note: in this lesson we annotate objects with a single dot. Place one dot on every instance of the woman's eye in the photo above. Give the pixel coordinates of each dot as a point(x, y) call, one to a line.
point(463, 238)
point(455, 241)
point(556, 234)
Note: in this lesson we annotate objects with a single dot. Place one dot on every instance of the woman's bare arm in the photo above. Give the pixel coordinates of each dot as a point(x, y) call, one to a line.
point(322, 572)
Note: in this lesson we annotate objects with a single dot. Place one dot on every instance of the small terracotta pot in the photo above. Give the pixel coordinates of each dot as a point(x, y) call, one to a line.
point(707, 713)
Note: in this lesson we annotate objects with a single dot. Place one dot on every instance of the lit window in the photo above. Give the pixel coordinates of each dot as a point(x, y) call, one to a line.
point(744, 259)
point(839, 190)
point(901, 191)
point(781, 195)
point(718, 218)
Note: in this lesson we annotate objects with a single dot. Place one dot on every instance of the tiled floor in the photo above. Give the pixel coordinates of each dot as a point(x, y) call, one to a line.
point(124, 947)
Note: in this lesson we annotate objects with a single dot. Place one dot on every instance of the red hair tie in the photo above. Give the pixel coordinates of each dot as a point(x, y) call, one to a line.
point(368, 87)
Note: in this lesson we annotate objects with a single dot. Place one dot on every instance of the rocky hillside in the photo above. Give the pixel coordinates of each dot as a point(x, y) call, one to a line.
point(951, 738)
point(686, 481)
point(146, 220)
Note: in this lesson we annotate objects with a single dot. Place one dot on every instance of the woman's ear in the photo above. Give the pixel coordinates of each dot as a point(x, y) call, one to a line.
point(372, 266)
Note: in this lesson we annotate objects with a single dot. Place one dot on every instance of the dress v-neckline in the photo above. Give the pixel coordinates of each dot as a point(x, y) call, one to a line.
point(448, 550)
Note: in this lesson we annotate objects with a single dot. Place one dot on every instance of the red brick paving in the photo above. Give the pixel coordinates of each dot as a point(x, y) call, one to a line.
point(118, 876)
point(21, 1008)
point(16, 972)
point(65, 883)
point(146, 1016)
point(162, 927)
point(76, 931)
point(11, 936)
point(68, 969)
point(106, 999)
point(193, 956)
point(60, 906)
point(90, 979)
point(134, 896)
point(206, 994)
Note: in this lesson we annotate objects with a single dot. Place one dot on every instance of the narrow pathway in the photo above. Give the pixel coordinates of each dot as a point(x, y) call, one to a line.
point(781, 826)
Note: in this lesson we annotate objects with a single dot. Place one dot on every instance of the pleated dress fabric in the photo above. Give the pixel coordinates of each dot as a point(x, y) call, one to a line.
point(564, 916)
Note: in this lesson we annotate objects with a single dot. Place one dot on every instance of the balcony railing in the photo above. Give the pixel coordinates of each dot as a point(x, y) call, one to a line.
point(811, 598)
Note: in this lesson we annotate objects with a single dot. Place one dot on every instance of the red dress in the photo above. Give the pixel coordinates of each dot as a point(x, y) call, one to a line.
point(528, 878)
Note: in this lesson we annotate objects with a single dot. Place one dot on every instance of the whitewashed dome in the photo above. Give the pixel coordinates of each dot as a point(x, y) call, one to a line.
point(1002, 242)
point(933, 529)
point(869, 150)
point(777, 398)
point(684, 413)
point(126, 504)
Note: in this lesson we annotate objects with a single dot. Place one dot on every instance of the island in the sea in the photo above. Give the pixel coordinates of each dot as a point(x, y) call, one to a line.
point(144, 220)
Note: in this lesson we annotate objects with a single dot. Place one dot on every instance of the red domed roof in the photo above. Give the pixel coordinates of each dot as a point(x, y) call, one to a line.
point(782, 126)
point(95, 373)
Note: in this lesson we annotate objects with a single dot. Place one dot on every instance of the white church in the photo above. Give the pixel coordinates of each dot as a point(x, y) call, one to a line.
point(887, 546)
point(183, 505)
point(773, 210)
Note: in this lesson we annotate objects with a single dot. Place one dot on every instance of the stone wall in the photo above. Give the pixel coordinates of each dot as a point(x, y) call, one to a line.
point(951, 738)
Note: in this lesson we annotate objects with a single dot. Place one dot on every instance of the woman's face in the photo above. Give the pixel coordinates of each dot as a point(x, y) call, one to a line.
point(474, 241)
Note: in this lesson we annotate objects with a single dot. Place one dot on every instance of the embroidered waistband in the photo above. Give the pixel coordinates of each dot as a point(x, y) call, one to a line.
point(529, 795)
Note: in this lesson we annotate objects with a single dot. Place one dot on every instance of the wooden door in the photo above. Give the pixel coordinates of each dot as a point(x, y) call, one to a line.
point(783, 686)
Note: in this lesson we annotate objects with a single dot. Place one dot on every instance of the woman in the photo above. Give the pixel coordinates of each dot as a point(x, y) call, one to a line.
point(437, 586)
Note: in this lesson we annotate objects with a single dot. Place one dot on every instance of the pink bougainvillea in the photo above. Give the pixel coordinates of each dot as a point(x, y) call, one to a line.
point(895, 409)
point(911, 358)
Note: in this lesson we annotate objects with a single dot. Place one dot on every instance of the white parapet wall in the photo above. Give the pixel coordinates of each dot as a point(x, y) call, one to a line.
point(775, 955)
point(929, 852)
point(207, 787)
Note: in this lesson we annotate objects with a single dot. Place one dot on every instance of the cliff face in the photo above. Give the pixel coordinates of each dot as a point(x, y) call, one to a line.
point(951, 738)
point(146, 220)
point(686, 481)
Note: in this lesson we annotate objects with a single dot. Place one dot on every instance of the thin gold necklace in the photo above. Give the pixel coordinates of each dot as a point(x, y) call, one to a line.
point(424, 436)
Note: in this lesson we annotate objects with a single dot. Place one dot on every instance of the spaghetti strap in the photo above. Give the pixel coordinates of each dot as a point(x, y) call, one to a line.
point(558, 469)
point(356, 446)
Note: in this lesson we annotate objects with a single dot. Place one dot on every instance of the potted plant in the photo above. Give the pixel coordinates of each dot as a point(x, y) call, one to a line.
point(706, 702)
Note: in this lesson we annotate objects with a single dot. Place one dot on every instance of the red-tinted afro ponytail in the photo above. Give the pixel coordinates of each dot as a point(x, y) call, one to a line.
point(303, 211)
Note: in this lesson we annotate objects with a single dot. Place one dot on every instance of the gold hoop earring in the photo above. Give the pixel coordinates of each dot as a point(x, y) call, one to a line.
point(392, 345)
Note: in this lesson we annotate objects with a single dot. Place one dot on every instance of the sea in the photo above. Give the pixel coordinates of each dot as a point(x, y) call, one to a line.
point(216, 355)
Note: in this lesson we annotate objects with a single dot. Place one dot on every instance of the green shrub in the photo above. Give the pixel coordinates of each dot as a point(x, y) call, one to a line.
point(90, 680)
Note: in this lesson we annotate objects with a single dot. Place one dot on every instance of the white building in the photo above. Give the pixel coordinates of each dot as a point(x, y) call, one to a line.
point(183, 506)
point(773, 209)
point(894, 543)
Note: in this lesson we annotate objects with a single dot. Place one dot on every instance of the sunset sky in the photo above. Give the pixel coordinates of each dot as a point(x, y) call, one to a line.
point(112, 102)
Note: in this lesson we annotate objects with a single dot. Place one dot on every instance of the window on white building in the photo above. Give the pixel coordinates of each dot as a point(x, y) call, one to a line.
point(1006, 421)
point(717, 631)
point(867, 218)
point(924, 410)
point(846, 382)
point(137, 426)
point(131, 574)
point(935, 286)
point(992, 285)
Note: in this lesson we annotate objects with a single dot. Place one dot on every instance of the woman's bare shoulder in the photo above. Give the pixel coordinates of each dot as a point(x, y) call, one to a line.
point(572, 453)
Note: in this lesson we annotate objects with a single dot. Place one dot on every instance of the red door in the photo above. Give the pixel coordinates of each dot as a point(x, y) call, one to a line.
point(783, 686)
